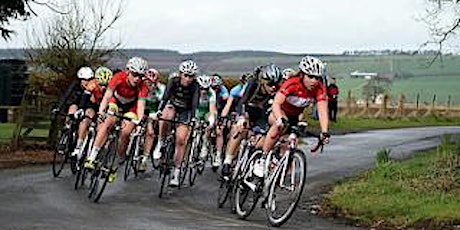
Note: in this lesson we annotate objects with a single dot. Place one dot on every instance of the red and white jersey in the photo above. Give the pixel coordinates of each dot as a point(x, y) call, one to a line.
point(124, 92)
point(298, 97)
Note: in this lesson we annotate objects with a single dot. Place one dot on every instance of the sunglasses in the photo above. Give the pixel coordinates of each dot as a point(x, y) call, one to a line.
point(189, 76)
point(138, 75)
point(318, 78)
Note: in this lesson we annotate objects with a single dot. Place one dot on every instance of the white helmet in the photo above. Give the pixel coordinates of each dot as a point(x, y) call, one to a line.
point(85, 73)
point(287, 73)
point(137, 65)
point(188, 67)
point(311, 66)
point(205, 81)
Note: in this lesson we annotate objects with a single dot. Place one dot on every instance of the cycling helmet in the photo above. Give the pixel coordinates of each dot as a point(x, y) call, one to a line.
point(103, 75)
point(205, 81)
point(137, 65)
point(188, 67)
point(287, 73)
point(311, 66)
point(85, 73)
point(152, 75)
point(216, 80)
point(270, 73)
point(243, 78)
point(173, 75)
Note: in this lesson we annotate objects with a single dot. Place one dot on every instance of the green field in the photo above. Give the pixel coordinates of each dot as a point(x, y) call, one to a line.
point(442, 86)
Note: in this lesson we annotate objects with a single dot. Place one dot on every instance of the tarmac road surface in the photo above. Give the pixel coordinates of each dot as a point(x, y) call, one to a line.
point(30, 198)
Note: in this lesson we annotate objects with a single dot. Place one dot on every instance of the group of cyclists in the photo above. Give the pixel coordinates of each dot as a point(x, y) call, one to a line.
point(267, 98)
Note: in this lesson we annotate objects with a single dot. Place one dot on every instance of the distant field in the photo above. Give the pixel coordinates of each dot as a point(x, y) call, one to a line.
point(442, 86)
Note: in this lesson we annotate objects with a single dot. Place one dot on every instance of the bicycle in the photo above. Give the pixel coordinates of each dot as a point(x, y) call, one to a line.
point(86, 147)
point(193, 165)
point(283, 172)
point(135, 149)
point(167, 154)
point(67, 140)
point(105, 161)
point(227, 184)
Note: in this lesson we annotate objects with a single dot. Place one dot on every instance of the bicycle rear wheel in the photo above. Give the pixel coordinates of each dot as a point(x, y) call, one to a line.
point(286, 189)
point(248, 188)
point(61, 153)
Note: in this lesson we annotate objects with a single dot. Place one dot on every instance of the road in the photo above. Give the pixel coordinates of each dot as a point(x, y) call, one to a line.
point(30, 198)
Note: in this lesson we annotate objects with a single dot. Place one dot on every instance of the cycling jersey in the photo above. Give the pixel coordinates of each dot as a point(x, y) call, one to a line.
point(124, 92)
point(298, 97)
point(183, 98)
point(206, 99)
point(154, 98)
point(87, 95)
point(95, 89)
point(125, 96)
point(221, 96)
point(254, 96)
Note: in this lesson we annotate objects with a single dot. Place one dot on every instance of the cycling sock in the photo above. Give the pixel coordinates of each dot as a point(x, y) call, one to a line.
point(79, 143)
point(94, 153)
point(228, 159)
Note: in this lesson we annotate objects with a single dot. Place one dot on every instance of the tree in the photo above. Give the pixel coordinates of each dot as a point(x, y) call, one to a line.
point(443, 20)
point(375, 86)
point(73, 40)
point(18, 10)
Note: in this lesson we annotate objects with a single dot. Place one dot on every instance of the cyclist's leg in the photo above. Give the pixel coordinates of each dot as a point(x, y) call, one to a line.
point(167, 113)
point(219, 142)
point(101, 136)
point(72, 109)
point(237, 133)
point(148, 143)
point(182, 133)
point(83, 130)
point(127, 128)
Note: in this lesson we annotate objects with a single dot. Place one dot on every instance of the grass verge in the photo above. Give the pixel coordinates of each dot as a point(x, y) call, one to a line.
point(421, 193)
point(347, 125)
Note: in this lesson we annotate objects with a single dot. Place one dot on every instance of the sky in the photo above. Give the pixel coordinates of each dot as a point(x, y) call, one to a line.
point(289, 26)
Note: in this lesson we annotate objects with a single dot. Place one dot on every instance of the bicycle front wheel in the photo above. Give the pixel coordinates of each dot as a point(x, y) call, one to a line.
point(248, 188)
point(286, 189)
point(106, 170)
point(61, 153)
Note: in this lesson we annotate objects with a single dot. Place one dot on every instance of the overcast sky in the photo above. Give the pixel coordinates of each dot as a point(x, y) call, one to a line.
point(291, 26)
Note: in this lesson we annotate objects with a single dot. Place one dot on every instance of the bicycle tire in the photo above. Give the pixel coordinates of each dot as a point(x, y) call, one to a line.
point(108, 163)
point(225, 187)
point(81, 171)
point(194, 157)
point(165, 173)
point(243, 191)
point(60, 156)
point(299, 156)
point(130, 164)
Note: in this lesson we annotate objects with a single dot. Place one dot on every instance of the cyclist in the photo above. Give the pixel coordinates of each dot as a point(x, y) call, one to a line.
point(252, 108)
point(236, 93)
point(207, 110)
point(73, 97)
point(288, 73)
point(294, 96)
point(93, 95)
point(179, 100)
point(222, 96)
point(155, 93)
point(126, 94)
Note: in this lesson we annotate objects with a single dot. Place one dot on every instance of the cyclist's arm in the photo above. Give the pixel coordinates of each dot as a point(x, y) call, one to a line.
point(322, 106)
point(67, 94)
point(86, 97)
point(142, 97)
point(105, 100)
point(227, 107)
point(323, 115)
point(195, 99)
point(213, 103)
point(248, 93)
point(166, 94)
point(276, 106)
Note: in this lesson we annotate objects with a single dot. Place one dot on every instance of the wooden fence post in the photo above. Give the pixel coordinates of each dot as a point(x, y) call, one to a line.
point(448, 106)
point(430, 111)
point(348, 103)
point(400, 111)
